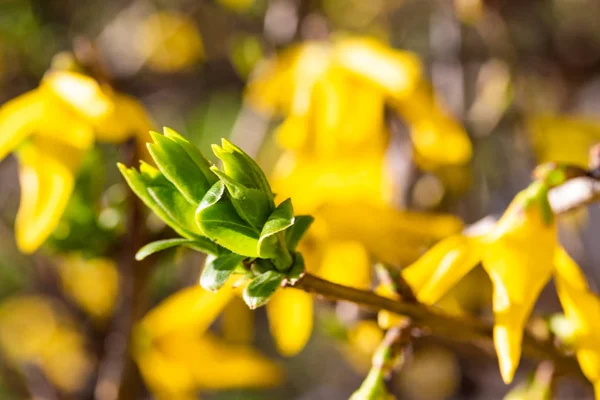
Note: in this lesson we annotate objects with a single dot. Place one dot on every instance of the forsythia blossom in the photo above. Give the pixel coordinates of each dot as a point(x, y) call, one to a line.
point(177, 356)
point(563, 138)
point(333, 96)
point(50, 129)
point(520, 254)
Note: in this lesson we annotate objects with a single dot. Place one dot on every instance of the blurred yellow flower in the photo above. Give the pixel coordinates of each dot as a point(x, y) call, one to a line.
point(581, 307)
point(169, 41)
point(50, 129)
point(333, 96)
point(237, 5)
point(177, 356)
point(519, 254)
point(563, 138)
point(92, 283)
point(34, 331)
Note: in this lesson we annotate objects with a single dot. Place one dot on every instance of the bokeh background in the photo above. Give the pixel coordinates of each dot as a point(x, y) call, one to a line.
point(522, 77)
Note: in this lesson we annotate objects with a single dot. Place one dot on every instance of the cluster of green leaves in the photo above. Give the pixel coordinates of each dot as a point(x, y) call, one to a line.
point(228, 213)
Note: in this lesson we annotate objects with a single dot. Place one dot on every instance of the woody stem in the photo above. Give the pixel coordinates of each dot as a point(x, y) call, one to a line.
point(432, 320)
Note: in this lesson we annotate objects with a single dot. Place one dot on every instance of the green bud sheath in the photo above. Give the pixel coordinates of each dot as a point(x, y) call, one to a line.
point(218, 220)
point(178, 167)
point(242, 168)
point(252, 205)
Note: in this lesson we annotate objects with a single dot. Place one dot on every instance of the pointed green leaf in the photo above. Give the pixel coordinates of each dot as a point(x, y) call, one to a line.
point(241, 167)
point(194, 154)
point(253, 205)
point(218, 269)
point(213, 195)
point(297, 230)
point(281, 219)
point(218, 220)
point(139, 182)
point(176, 207)
point(159, 245)
point(177, 166)
point(260, 289)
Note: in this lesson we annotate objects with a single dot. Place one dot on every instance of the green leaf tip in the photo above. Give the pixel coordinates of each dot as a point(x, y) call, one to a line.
point(260, 289)
point(217, 269)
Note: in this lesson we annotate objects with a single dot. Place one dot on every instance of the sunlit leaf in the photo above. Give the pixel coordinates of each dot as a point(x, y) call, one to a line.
point(260, 289)
point(217, 270)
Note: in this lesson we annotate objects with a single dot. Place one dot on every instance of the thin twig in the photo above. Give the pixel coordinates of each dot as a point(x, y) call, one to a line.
point(462, 329)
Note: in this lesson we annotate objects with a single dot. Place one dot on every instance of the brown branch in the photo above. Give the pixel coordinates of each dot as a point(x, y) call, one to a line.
point(118, 376)
point(461, 329)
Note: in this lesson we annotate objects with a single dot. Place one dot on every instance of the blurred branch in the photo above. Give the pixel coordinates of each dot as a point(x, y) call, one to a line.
point(581, 191)
point(575, 193)
point(431, 319)
point(118, 376)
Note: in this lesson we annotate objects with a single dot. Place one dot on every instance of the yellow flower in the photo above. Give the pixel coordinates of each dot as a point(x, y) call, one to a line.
point(177, 356)
point(290, 313)
point(34, 330)
point(169, 41)
point(50, 129)
point(519, 254)
point(92, 283)
point(581, 307)
point(565, 138)
point(333, 97)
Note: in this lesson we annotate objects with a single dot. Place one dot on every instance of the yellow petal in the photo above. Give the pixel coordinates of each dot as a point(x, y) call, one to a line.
point(217, 365)
point(284, 84)
point(348, 117)
point(441, 140)
point(582, 307)
point(19, 118)
point(80, 92)
point(346, 263)
point(568, 270)
point(290, 313)
point(519, 267)
point(237, 322)
point(396, 72)
point(166, 377)
point(440, 268)
point(190, 308)
point(33, 330)
point(170, 41)
point(438, 139)
point(46, 176)
point(563, 138)
point(313, 182)
point(92, 283)
point(395, 237)
point(293, 133)
point(129, 119)
point(508, 335)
